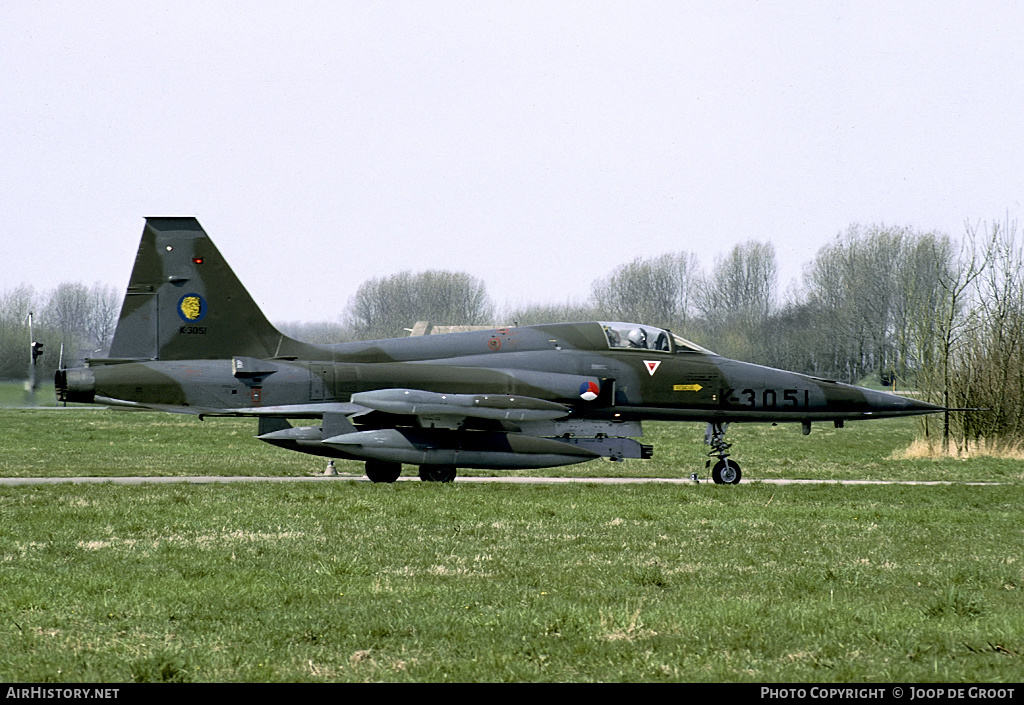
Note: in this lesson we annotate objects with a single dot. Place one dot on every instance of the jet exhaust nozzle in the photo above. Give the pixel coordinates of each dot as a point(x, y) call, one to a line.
point(76, 386)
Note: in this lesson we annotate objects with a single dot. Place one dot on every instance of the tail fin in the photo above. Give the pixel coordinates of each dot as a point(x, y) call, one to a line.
point(184, 302)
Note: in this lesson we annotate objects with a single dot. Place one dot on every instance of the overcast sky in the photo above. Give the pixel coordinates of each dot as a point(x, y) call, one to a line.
point(535, 145)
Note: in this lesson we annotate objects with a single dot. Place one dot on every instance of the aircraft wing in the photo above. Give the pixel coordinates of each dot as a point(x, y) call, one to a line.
point(406, 402)
point(289, 411)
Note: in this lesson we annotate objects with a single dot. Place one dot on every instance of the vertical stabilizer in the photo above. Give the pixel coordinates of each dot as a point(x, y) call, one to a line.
point(184, 302)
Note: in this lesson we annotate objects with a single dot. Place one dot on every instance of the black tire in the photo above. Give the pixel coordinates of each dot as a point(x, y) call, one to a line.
point(437, 473)
point(383, 470)
point(726, 472)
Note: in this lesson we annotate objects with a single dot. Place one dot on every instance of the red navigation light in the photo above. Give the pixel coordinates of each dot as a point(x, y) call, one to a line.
point(197, 260)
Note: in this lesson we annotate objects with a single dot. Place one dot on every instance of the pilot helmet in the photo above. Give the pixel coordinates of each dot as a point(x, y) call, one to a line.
point(638, 337)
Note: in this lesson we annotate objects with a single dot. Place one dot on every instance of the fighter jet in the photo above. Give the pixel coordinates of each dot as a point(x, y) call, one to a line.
point(190, 339)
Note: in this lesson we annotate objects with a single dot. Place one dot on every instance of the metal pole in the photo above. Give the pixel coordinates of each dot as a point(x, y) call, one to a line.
point(31, 362)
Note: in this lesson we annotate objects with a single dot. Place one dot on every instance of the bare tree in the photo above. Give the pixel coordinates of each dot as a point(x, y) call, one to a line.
point(67, 307)
point(320, 332)
point(658, 291)
point(939, 331)
point(66, 314)
point(15, 305)
point(736, 300)
point(987, 367)
point(385, 307)
point(104, 307)
point(533, 314)
point(875, 293)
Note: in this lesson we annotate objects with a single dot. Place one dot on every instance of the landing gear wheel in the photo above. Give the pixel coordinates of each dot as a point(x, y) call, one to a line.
point(437, 473)
point(726, 472)
point(382, 470)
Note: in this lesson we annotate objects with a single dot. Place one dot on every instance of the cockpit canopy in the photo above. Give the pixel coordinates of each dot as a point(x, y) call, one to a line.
point(635, 336)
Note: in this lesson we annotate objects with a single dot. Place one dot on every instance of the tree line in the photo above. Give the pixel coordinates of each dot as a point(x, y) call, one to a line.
point(74, 317)
point(916, 311)
point(912, 310)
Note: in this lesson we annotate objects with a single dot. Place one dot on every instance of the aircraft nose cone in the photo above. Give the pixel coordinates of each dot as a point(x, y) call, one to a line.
point(894, 403)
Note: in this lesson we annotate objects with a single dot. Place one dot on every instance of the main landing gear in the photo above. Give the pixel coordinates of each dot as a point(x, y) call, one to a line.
point(383, 470)
point(725, 471)
point(437, 473)
point(386, 471)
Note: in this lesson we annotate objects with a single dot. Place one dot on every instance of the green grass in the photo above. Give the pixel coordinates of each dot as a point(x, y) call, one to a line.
point(14, 394)
point(349, 581)
point(422, 582)
point(91, 442)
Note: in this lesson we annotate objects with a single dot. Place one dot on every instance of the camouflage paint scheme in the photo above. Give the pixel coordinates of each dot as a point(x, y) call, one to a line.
point(190, 339)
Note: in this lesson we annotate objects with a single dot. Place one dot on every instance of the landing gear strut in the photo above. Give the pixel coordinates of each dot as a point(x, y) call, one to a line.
point(725, 471)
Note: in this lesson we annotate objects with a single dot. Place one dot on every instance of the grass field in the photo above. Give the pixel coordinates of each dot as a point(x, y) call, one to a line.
point(351, 581)
point(95, 442)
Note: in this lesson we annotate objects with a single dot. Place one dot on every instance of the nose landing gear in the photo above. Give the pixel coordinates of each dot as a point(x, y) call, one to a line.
point(725, 471)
